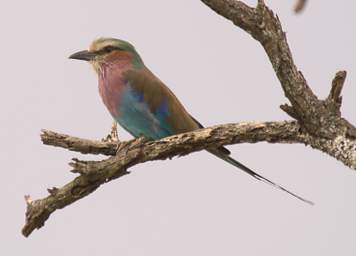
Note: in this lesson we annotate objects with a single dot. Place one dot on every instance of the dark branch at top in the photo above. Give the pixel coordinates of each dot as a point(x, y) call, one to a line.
point(314, 115)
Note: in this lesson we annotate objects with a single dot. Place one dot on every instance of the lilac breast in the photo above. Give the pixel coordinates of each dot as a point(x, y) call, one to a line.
point(111, 85)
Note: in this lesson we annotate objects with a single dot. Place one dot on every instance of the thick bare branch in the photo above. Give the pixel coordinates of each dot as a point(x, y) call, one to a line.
point(313, 114)
point(95, 173)
point(341, 148)
point(278, 132)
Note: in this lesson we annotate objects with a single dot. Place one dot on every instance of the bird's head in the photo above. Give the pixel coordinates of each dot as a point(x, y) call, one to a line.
point(109, 50)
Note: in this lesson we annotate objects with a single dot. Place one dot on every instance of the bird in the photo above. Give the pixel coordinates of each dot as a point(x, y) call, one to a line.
point(141, 103)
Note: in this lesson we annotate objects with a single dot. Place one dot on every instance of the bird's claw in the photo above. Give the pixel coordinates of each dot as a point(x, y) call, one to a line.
point(113, 135)
point(142, 139)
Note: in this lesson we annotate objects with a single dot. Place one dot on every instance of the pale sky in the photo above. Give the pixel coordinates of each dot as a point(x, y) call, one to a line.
point(194, 205)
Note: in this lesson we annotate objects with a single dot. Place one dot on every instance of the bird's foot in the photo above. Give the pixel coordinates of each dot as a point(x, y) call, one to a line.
point(113, 135)
point(142, 139)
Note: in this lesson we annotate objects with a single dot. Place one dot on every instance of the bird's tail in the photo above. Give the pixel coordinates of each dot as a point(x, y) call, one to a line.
point(222, 155)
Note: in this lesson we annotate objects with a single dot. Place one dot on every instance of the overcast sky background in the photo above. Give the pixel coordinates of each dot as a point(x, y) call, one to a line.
point(195, 205)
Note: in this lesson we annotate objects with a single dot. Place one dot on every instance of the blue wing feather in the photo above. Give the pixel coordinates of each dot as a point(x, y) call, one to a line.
point(137, 118)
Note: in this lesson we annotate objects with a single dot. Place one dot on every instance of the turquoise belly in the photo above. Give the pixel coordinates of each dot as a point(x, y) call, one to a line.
point(137, 118)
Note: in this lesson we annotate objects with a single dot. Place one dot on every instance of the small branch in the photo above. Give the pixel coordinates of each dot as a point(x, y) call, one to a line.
point(336, 88)
point(76, 144)
point(289, 110)
point(299, 6)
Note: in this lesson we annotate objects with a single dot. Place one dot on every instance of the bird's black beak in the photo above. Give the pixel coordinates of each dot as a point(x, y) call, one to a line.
point(83, 55)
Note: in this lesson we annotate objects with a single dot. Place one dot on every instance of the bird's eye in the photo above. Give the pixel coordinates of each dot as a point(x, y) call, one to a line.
point(109, 48)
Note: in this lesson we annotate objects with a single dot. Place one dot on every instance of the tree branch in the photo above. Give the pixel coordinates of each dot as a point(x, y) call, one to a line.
point(83, 146)
point(313, 114)
point(92, 174)
point(319, 123)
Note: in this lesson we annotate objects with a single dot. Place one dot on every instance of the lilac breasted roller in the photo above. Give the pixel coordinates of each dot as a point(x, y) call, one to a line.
point(140, 102)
